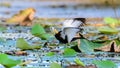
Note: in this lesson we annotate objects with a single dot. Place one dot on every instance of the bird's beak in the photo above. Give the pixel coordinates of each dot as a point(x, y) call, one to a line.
point(54, 30)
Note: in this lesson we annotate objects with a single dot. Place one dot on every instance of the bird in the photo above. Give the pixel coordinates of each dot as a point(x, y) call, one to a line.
point(70, 28)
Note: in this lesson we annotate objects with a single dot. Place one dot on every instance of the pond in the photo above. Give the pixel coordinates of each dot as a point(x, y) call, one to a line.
point(48, 9)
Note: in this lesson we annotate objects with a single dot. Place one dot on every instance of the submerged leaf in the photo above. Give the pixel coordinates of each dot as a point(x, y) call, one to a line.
point(69, 52)
point(78, 62)
point(104, 64)
point(7, 62)
point(22, 44)
point(55, 65)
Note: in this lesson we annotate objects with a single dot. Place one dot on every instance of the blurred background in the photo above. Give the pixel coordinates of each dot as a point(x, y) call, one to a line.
point(62, 8)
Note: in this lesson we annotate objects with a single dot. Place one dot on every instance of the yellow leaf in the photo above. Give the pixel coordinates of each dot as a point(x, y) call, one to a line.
point(23, 15)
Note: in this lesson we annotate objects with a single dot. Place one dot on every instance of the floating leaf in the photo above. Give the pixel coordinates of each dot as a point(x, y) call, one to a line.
point(86, 46)
point(7, 62)
point(22, 44)
point(55, 65)
point(25, 15)
point(110, 46)
point(104, 64)
point(78, 62)
point(39, 31)
point(44, 36)
point(108, 30)
point(100, 39)
point(69, 52)
point(50, 54)
point(111, 21)
point(117, 41)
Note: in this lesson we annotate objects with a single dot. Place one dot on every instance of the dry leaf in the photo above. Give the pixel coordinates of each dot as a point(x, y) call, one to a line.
point(24, 17)
point(17, 53)
point(112, 47)
point(74, 66)
point(20, 53)
point(97, 24)
point(90, 66)
point(77, 66)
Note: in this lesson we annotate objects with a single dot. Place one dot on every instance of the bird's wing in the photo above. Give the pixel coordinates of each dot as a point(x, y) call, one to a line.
point(72, 23)
point(71, 27)
point(76, 23)
point(67, 23)
point(70, 32)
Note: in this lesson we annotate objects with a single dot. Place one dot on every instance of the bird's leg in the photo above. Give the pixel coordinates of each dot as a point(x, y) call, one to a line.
point(67, 45)
point(78, 41)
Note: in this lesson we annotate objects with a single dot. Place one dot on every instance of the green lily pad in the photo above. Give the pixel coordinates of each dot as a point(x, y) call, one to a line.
point(104, 64)
point(22, 44)
point(38, 31)
point(69, 52)
point(86, 46)
point(109, 20)
point(7, 62)
point(44, 36)
point(55, 65)
point(108, 30)
point(50, 54)
point(117, 42)
point(78, 62)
